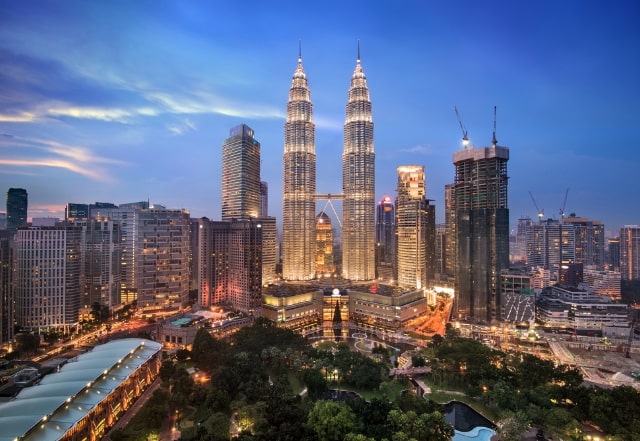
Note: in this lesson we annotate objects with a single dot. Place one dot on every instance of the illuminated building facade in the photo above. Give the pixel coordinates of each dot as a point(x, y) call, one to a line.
point(550, 244)
point(415, 230)
point(451, 240)
point(241, 187)
point(630, 252)
point(86, 398)
point(324, 244)
point(299, 183)
point(482, 230)
point(358, 183)
point(47, 274)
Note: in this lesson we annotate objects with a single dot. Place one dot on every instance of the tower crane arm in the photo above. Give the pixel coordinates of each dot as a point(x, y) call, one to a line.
point(465, 138)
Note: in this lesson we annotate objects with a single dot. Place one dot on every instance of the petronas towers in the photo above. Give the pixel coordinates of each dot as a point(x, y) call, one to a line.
point(299, 183)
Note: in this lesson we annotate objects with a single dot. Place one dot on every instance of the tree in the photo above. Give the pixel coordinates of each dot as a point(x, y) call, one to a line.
point(315, 382)
point(331, 421)
point(27, 343)
point(512, 425)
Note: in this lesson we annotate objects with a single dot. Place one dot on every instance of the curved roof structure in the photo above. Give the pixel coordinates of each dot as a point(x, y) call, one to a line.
point(63, 398)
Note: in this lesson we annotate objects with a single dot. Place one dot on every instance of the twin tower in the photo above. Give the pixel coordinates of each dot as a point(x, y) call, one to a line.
point(299, 186)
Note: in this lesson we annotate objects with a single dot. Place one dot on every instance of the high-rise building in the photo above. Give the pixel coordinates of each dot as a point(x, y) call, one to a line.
point(482, 228)
point(324, 244)
point(6, 293)
point(47, 275)
point(155, 254)
point(299, 183)
point(550, 244)
point(518, 247)
point(415, 230)
point(440, 247)
point(589, 241)
point(241, 195)
point(17, 202)
point(231, 264)
point(630, 252)
point(385, 231)
point(358, 183)
point(100, 244)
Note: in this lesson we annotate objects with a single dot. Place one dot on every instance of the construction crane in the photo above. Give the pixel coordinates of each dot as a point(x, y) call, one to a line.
point(494, 141)
point(564, 203)
point(540, 212)
point(465, 138)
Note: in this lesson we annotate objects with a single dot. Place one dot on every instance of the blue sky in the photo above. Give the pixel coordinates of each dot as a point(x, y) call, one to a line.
point(123, 101)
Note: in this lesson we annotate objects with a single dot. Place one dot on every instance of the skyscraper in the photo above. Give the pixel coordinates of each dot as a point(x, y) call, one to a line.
point(241, 195)
point(451, 238)
point(589, 240)
point(6, 293)
point(358, 183)
point(482, 229)
point(264, 199)
point(299, 182)
point(550, 244)
point(415, 230)
point(17, 201)
point(630, 252)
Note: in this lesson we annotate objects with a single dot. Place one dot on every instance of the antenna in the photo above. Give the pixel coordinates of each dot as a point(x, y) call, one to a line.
point(358, 50)
point(465, 138)
point(494, 141)
point(299, 50)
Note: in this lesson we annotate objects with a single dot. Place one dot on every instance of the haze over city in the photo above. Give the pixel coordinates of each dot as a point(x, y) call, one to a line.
point(120, 102)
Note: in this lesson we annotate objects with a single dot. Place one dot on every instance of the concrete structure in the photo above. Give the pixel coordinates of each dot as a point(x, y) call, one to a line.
point(450, 225)
point(604, 283)
point(17, 203)
point(85, 398)
point(415, 230)
point(296, 306)
point(630, 252)
point(613, 254)
point(299, 182)
point(241, 189)
point(47, 274)
point(358, 183)
point(482, 230)
point(264, 199)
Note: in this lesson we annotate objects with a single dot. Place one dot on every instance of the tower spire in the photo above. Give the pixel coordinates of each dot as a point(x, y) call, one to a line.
point(300, 51)
point(358, 50)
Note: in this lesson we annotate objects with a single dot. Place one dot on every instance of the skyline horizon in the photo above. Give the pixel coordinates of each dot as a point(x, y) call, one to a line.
point(129, 103)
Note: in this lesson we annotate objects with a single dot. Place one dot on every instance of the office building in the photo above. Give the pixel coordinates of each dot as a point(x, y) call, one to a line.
point(17, 202)
point(415, 230)
point(324, 245)
point(299, 183)
point(630, 252)
point(518, 244)
point(358, 183)
point(589, 241)
point(604, 283)
point(482, 228)
point(440, 247)
point(47, 275)
point(241, 194)
point(75, 211)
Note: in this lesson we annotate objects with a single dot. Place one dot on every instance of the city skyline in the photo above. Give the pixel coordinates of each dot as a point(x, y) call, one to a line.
point(90, 114)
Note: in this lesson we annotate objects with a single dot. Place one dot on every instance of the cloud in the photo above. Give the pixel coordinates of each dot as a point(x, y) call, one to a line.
point(417, 149)
point(181, 128)
point(77, 159)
